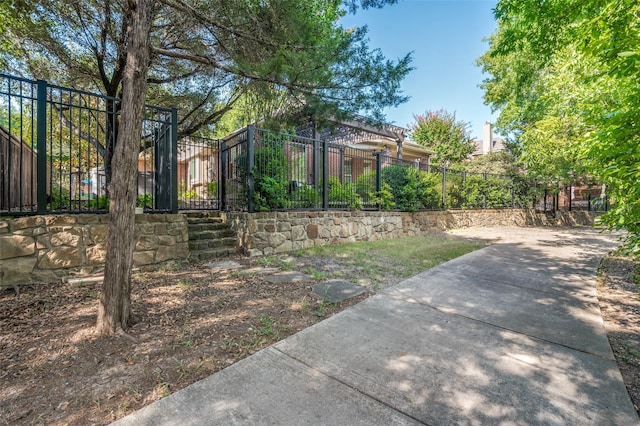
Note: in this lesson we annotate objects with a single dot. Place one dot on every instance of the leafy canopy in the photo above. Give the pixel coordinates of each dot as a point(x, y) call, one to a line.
point(449, 138)
point(205, 55)
point(564, 75)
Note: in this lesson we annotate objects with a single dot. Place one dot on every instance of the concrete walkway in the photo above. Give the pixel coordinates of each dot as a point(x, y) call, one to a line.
point(510, 334)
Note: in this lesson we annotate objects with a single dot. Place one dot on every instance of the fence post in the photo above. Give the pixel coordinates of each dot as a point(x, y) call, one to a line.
point(484, 193)
point(41, 147)
point(316, 162)
point(513, 193)
point(378, 171)
point(463, 192)
point(325, 174)
point(250, 164)
point(570, 196)
point(378, 156)
point(174, 160)
point(222, 188)
point(444, 187)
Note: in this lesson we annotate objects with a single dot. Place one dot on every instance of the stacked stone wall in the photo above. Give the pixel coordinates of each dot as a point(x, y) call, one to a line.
point(49, 248)
point(278, 232)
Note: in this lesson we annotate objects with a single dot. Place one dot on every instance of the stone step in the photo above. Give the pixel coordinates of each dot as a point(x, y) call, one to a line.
point(211, 235)
point(229, 242)
point(204, 219)
point(199, 227)
point(213, 253)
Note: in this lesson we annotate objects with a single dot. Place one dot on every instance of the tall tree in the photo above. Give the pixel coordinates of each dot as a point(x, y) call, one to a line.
point(449, 138)
point(206, 54)
point(200, 56)
point(115, 302)
point(564, 74)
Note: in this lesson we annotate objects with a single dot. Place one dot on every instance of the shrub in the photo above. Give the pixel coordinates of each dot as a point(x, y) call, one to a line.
point(100, 203)
point(212, 189)
point(429, 184)
point(490, 192)
point(144, 201)
point(305, 197)
point(186, 194)
point(270, 193)
point(270, 176)
point(59, 198)
point(343, 195)
point(384, 197)
point(453, 196)
point(411, 188)
point(366, 184)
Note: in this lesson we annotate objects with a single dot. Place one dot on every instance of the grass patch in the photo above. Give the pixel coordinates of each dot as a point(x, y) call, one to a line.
point(275, 261)
point(405, 256)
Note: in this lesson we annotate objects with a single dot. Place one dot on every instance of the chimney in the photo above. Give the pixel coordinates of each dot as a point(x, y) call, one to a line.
point(487, 138)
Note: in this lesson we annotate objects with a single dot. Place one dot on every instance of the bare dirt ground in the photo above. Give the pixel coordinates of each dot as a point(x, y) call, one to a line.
point(189, 323)
point(619, 295)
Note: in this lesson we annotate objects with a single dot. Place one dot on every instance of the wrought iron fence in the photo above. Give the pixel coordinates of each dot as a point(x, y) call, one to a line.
point(56, 144)
point(262, 170)
point(585, 197)
point(198, 173)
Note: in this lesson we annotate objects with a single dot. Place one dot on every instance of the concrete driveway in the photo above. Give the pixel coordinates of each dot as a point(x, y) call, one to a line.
point(510, 334)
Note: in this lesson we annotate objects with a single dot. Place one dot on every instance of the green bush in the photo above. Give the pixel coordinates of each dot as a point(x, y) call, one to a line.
point(479, 192)
point(454, 196)
point(144, 201)
point(343, 195)
point(186, 194)
point(59, 198)
point(429, 184)
point(412, 189)
point(100, 203)
point(306, 197)
point(270, 170)
point(270, 193)
point(524, 191)
point(384, 197)
point(366, 184)
point(212, 189)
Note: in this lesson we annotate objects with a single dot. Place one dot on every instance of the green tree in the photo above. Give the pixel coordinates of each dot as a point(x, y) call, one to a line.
point(207, 55)
point(449, 138)
point(500, 163)
point(199, 54)
point(564, 75)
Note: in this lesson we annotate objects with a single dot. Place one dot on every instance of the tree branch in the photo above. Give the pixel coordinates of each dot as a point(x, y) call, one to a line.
point(82, 135)
point(186, 8)
point(309, 88)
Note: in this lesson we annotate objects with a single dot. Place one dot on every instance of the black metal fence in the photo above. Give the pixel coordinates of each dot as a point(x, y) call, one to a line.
point(259, 170)
point(579, 197)
point(56, 144)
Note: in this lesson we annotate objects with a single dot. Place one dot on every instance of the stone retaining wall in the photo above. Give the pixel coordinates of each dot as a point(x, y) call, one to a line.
point(48, 248)
point(279, 232)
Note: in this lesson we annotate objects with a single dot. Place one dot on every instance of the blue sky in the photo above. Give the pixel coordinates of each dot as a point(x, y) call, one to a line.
point(446, 37)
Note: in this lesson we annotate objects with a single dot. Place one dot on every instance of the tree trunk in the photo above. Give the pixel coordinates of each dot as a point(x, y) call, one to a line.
point(115, 303)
